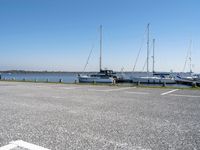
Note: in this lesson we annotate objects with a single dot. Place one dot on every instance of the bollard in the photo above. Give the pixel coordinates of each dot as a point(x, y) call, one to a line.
point(60, 81)
point(114, 82)
point(138, 83)
point(194, 85)
point(164, 84)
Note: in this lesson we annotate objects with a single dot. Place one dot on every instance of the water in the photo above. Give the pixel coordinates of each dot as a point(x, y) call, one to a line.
point(41, 77)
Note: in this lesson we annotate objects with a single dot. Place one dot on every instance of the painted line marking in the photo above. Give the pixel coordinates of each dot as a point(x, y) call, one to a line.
point(27, 145)
point(22, 144)
point(190, 96)
point(57, 87)
point(8, 147)
point(58, 97)
point(140, 93)
point(68, 88)
point(111, 90)
point(169, 92)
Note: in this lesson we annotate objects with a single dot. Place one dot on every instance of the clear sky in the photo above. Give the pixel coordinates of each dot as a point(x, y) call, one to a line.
point(58, 34)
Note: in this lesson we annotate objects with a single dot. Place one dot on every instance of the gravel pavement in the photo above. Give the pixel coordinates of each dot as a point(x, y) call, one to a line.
point(79, 117)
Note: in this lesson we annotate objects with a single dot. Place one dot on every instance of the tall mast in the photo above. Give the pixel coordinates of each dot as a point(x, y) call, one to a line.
point(154, 55)
point(100, 58)
point(148, 49)
point(190, 56)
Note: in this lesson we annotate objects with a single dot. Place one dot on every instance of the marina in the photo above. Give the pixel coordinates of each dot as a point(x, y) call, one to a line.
point(99, 75)
point(72, 77)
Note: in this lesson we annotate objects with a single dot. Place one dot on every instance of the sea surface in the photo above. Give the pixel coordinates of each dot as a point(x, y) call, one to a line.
point(41, 77)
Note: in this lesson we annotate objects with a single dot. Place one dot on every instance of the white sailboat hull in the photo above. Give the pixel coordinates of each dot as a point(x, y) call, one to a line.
point(88, 79)
point(153, 80)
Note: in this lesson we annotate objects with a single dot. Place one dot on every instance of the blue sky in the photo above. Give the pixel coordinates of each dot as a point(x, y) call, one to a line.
point(58, 34)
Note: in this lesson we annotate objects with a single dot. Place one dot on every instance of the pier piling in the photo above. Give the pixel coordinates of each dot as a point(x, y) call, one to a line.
point(138, 83)
point(194, 85)
point(164, 84)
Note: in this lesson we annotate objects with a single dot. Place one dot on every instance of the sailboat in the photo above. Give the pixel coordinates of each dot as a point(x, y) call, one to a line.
point(103, 76)
point(188, 77)
point(156, 78)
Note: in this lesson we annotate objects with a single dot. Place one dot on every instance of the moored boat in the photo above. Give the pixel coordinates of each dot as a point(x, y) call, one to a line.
point(100, 77)
point(103, 76)
point(155, 78)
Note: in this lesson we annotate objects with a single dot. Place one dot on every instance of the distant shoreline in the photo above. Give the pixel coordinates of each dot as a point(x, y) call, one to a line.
point(25, 71)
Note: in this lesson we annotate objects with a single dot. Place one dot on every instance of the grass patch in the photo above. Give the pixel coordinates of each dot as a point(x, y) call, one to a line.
point(111, 85)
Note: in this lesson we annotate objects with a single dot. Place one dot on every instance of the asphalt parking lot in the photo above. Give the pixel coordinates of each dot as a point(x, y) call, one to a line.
point(61, 116)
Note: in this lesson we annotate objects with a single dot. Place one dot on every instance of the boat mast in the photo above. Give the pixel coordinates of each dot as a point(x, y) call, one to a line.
point(153, 55)
point(190, 57)
point(148, 50)
point(100, 58)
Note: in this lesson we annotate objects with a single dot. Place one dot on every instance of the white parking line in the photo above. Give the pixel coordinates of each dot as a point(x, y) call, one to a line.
point(190, 96)
point(22, 144)
point(27, 145)
point(8, 147)
point(111, 90)
point(58, 97)
point(140, 93)
point(68, 88)
point(169, 92)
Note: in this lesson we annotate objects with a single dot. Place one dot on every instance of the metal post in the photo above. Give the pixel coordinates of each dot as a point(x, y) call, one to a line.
point(100, 59)
point(190, 58)
point(153, 55)
point(148, 50)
